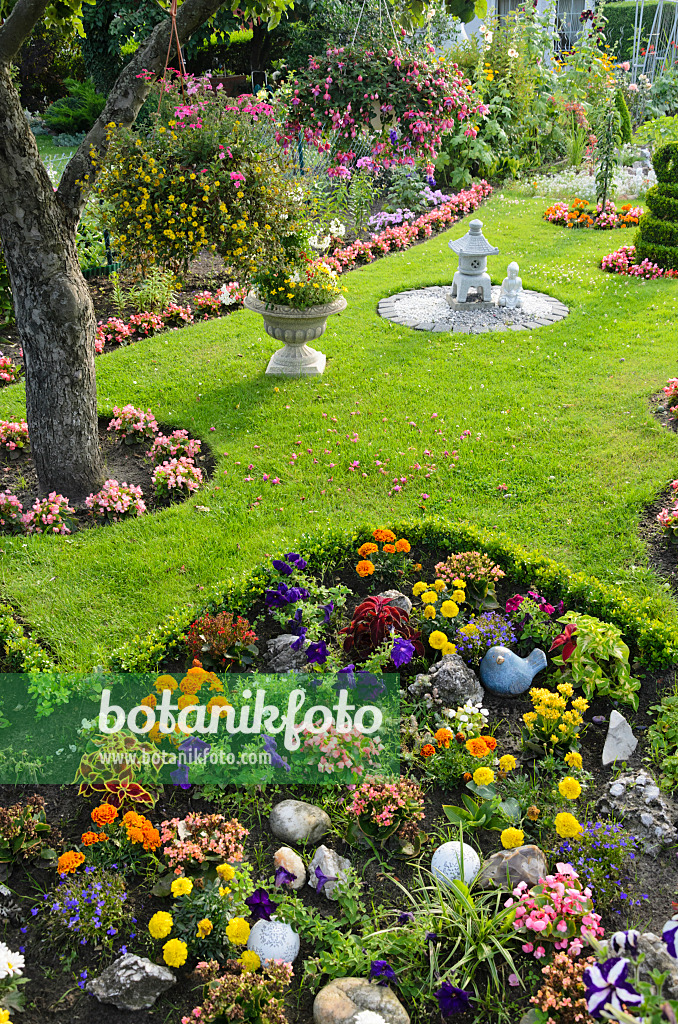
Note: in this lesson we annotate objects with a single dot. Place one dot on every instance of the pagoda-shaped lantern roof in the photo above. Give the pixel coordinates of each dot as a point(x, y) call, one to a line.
point(474, 242)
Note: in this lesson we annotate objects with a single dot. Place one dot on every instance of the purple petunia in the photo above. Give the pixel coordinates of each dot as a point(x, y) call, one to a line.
point(261, 905)
point(405, 917)
point(670, 936)
point(283, 877)
point(451, 999)
point(298, 644)
point(282, 567)
point(402, 651)
point(317, 653)
point(271, 747)
point(296, 560)
point(323, 879)
point(606, 984)
point(382, 970)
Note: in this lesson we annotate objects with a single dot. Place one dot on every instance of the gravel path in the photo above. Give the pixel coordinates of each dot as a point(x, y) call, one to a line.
point(427, 309)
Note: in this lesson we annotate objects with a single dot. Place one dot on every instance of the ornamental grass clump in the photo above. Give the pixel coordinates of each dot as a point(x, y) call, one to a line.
point(116, 501)
point(553, 727)
point(224, 639)
point(557, 912)
point(481, 632)
point(233, 989)
point(87, 908)
point(176, 477)
point(173, 446)
point(604, 855)
point(479, 573)
point(133, 425)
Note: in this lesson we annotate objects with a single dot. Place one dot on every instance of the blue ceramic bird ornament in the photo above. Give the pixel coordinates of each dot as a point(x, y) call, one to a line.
point(503, 671)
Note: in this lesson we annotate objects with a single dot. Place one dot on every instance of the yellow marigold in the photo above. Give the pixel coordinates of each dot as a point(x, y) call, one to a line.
point(166, 682)
point(150, 701)
point(419, 588)
point(155, 736)
point(569, 788)
point(249, 960)
point(429, 612)
point(104, 814)
point(470, 629)
point(440, 585)
point(181, 887)
point(483, 776)
point(217, 686)
point(461, 584)
point(4, 1017)
point(443, 737)
point(437, 639)
point(187, 700)
point(384, 536)
point(403, 546)
point(205, 928)
point(175, 953)
point(161, 924)
point(367, 549)
point(70, 862)
point(365, 568)
point(567, 826)
point(430, 597)
point(389, 549)
point(418, 567)
point(225, 872)
point(192, 683)
point(477, 747)
point(507, 763)
point(573, 759)
point(512, 837)
point(459, 596)
point(238, 931)
point(449, 609)
point(449, 648)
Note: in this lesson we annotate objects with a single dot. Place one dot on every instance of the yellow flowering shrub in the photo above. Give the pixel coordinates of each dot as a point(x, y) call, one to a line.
point(553, 724)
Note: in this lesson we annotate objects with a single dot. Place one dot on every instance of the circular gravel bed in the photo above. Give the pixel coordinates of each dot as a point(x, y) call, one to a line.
point(427, 309)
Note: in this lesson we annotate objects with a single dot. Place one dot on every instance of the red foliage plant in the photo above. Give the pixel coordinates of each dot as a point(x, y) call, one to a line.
point(374, 620)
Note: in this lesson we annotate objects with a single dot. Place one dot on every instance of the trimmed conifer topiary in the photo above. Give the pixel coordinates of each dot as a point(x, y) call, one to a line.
point(657, 237)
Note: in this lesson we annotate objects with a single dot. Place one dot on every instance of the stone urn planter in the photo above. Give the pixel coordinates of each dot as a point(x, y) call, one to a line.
point(295, 327)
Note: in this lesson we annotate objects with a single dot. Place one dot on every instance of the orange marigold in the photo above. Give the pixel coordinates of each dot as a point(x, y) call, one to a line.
point(133, 820)
point(418, 566)
point(367, 549)
point(489, 742)
point(428, 750)
point(187, 700)
point(403, 546)
point(70, 862)
point(166, 682)
point(477, 747)
point(384, 536)
point(217, 702)
point(364, 568)
point(193, 680)
point(104, 814)
point(389, 549)
point(443, 737)
point(135, 835)
point(150, 701)
point(151, 839)
point(89, 838)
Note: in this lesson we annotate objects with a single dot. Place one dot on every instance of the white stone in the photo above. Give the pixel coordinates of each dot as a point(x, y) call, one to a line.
point(131, 983)
point(620, 742)
point(344, 999)
point(296, 821)
point(332, 866)
point(446, 862)
point(617, 789)
point(292, 862)
point(273, 940)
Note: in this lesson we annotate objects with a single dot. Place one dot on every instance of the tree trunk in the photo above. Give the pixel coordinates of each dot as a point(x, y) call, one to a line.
point(54, 312)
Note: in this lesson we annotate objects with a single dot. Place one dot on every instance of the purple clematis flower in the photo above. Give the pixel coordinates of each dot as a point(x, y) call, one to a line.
point(261, 905)
point(670, 936)
point(402, 651)
point(383, 970)
point(606, 983)
point(283, 877)
point(317, 653)
point(282, 567)
point(323, 879)
point(271, 747)
point(451, 999)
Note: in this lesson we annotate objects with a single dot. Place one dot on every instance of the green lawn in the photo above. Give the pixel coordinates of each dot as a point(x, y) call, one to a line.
point(560, 416)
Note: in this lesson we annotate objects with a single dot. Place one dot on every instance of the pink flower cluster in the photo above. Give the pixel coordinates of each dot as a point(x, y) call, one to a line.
point(10, 513)
point(205, 836)
point(622, 262)
point(404, 235)
point(49, 515)
point(9, 371)
point(173, 446)
point(115, 501)
point(13, 435)
point(132, 424)
point(176, 476)
point(557, 910)
point(387, 803)
point(341, 751)
point(668, 517)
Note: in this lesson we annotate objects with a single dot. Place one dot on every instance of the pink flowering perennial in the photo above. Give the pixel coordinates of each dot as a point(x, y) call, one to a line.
point(622, 261)
point(49, 515)
point(10, 513)
point(386, 805)
point(333, 752)
point(116, 501)
point(176, 476)
point(173, 446)
point(205, 837)
point(9, 371)
point(13, 435)
point(133, 425)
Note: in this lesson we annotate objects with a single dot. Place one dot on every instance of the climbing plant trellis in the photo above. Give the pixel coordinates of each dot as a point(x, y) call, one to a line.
point(653, 54)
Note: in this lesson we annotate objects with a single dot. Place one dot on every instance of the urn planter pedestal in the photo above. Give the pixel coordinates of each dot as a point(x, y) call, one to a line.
point(295, 327)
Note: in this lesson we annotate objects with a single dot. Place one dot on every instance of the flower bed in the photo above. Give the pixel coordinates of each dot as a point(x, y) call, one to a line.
point(583, 214)
point(622, 262)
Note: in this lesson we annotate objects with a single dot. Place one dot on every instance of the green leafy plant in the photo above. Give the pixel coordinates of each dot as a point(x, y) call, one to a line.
point(663, 739)
point(76, 112)
point(599, 660)
point(119, 769)
point(23, 834)
point(155, 292)
point(607, 125)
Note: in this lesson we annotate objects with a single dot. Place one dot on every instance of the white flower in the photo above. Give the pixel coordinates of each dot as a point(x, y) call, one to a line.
point(369, 1017)
point(337, 228)
point(513, 54)
point(10, 963)
point(296, 277)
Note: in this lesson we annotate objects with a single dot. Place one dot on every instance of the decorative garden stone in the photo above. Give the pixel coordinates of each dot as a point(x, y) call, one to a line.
point(295, 327)
point(643, 809)
point(282, 657)
point(524, 864)
point(131, 983)
point(292, 862)
point(511, 289)
point(449, 683)
point(342, 1000)
point(473, 250)
point(620, 742)
point(331, 866)
point(295, 821)
point(398, 600)
point(273, 940)
point(502, 671)
point(446, 862)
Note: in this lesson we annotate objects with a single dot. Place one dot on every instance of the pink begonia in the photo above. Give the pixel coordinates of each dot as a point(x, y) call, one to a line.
point(13, 435)
point(173, 446)
point(47, 515)
point(133, 424)
point(10, 513)
point(558, 910)
point(115, 501)
point(340, 750)
point(9, 371)
point(176, 476)
point(622, 262)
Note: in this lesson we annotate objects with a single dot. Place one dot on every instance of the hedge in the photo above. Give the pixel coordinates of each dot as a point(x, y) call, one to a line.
point(653, 641)
point(655, 231)
point(620, 22)
point(662, 204)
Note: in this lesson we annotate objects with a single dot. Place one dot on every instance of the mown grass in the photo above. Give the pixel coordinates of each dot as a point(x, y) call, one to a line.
point(559, 416)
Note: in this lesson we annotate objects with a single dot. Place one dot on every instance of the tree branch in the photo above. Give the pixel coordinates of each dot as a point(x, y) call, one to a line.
point(18, 26)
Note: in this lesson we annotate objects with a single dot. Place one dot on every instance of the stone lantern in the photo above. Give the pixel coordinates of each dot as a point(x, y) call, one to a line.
point(473, 250)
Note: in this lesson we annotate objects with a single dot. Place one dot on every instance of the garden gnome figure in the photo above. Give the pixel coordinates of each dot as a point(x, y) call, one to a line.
point(473, 250)
point(511, 288)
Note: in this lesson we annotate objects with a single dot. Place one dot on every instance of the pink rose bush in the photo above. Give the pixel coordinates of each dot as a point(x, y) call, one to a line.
point(558, 911)
point(173, 446)
point(49, 515)
point(176, 476)
point(133, 425)
point(116, 501)
point(13, 435)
